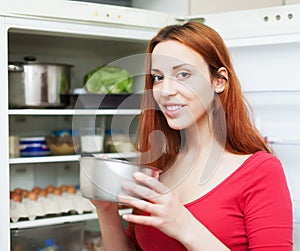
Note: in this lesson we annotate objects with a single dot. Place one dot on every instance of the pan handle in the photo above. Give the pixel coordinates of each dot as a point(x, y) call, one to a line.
point(15, 68)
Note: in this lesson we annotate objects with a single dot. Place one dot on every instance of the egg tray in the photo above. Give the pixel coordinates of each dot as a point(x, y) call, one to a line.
point(52, 205)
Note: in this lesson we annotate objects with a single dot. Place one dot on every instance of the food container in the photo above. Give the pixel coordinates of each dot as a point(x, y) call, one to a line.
point(91, 140)
point(103, 178)
point(33, 147)
point(67, 236)
point(34, 84)
point(117, 142)
point(64, 144)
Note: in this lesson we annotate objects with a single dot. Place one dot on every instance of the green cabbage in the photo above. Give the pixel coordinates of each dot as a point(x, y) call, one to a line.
point(108, 79)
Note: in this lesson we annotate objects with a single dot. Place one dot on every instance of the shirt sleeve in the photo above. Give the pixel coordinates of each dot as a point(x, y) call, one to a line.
point(268, 208)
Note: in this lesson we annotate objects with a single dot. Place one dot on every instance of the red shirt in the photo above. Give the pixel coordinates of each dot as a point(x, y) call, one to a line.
point(250, 210)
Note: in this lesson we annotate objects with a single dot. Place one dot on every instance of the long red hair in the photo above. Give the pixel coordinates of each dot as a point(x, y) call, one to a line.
point(241, 136)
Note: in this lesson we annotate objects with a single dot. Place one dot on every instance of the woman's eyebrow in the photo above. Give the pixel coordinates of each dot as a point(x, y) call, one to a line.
point(182, 65)
point(175, 67)
point(155, 70)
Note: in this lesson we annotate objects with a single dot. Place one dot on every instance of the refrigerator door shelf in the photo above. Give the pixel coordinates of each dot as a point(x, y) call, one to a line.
point(276, 115)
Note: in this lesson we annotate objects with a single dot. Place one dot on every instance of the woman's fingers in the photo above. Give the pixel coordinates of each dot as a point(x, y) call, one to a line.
point(150, 182)
point(139, 219)
point(140, 204)
point(146, 187)
point(139, 191)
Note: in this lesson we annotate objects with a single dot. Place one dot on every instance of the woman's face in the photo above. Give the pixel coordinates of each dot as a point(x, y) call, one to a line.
point(181, 87)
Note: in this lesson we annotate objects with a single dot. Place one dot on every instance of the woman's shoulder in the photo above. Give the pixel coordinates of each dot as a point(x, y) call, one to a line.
point(250, 163)
point(264, 167)
point(263, 159)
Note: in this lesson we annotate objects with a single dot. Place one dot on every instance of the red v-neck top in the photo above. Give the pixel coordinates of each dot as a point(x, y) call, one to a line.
point(250, 210)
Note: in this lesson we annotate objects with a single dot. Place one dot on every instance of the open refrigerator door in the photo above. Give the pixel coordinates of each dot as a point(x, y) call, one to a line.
point(277, 116)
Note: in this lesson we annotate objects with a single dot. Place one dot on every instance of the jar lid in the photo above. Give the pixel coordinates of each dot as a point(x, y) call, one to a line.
point(32, 139)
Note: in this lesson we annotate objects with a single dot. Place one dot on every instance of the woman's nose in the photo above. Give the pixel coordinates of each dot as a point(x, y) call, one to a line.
point(168, 87)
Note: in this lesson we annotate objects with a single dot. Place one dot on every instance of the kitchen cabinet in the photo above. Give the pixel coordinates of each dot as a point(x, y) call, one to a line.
point(264, 44)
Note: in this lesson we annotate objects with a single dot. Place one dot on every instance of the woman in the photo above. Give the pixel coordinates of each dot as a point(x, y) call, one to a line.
point(221, 188)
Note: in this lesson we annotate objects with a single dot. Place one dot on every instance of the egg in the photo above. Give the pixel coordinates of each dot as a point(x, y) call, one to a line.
point(50, 189)
point(64, 188)
point(71, 189)
point(24, 192)
point(15, 196)
point(32, 196)
point(43, 193)
point(36, 189)
point(57, 191)
point(18, 190)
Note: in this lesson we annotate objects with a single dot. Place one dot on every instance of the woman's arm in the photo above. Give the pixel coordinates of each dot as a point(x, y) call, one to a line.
point(112, 230)
point(268, 208)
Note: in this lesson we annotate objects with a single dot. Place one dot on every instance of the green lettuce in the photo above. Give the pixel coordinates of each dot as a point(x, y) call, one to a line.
point(108, 79)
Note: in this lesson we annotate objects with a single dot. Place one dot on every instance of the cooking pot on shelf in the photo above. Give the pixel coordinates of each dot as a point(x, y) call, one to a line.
point(34, 84)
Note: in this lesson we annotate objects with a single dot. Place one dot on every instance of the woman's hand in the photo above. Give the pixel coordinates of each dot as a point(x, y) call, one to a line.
point(165, 210)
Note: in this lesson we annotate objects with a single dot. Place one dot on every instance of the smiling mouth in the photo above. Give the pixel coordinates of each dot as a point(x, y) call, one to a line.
point(173, 107)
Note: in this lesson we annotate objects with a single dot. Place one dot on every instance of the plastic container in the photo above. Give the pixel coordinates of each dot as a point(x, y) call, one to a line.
point(33, 147)
point(67, 236)
point(91, 140)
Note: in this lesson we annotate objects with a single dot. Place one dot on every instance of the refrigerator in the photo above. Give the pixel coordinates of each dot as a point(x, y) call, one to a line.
point(264, 44)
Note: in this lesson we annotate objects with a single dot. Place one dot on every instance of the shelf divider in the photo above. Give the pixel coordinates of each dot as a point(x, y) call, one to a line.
point(60, 220)
point(67, 158)
point(55, 112)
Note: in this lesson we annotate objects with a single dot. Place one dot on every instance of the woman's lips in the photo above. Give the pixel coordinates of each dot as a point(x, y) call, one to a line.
point(173, 110)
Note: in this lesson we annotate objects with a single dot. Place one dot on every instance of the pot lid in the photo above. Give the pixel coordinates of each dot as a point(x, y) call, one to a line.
point(31, 60)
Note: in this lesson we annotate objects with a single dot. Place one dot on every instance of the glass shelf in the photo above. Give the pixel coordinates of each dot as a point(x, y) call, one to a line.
point(67, 158)
point(276, 115)
point(55, 112)
point(281, 98)
point(283, 141)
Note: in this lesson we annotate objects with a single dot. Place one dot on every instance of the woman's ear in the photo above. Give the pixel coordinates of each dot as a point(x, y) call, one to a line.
point(220, 81)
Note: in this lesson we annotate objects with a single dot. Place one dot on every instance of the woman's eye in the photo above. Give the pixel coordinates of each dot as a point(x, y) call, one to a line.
point(183, 75)
point(157, 78)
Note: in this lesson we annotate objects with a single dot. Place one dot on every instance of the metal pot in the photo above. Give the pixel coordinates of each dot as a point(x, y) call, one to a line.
point(34, 84)
point(102, 179)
